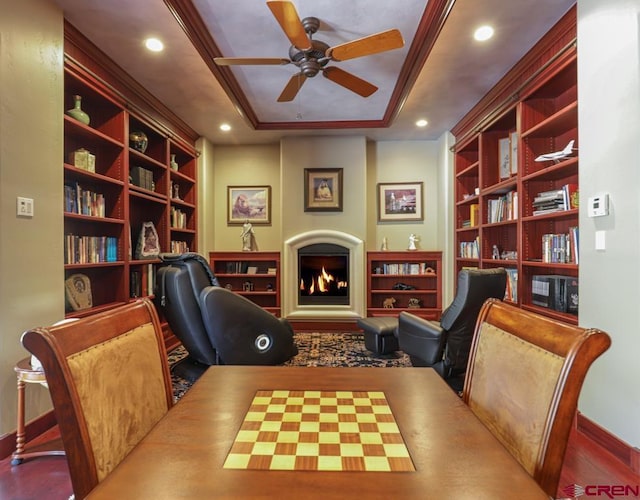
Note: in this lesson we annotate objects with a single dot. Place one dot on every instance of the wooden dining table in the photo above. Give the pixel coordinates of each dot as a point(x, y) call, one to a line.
point(443, 452)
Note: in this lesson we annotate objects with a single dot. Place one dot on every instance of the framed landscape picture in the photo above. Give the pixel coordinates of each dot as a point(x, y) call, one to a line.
point(400, 202)
point(323, 190)
point(249, 203)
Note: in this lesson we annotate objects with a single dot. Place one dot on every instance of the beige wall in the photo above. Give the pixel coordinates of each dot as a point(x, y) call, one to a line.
point(348, 153)
point(206, 198)
point(407, 161)
point(31, 252)
point(244, 166)
point(364, 165)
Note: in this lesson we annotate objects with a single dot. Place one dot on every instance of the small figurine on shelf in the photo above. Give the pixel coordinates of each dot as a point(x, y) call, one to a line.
point(495, 252)
point(176, 191)
point(412, 242)
point(248, 239)
point(384, 247)
point(414, 303)
point(389, 303)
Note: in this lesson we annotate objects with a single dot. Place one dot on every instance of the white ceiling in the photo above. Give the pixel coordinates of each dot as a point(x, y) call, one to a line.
point(456, 74)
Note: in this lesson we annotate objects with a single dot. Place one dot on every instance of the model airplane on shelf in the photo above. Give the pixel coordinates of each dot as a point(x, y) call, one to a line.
point(558, 155)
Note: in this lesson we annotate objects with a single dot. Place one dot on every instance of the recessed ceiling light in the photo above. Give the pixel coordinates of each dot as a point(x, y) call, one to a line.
point(225, 127)
point(483, 33)
point(154, 45)
point(422, 123)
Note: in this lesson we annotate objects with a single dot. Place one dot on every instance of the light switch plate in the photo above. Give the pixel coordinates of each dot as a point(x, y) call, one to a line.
point(24, 207)
point(600, 240)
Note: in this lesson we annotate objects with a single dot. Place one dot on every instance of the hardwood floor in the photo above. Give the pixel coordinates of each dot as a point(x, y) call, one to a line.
point(47, 478)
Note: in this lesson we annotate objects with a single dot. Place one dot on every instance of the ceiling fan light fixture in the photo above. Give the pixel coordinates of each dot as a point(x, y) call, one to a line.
point(483, 33)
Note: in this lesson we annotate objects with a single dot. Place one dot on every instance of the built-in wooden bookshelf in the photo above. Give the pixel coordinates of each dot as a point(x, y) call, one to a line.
point(404, 281)
point(527, 215)
point(112, 188)
point(254, 275)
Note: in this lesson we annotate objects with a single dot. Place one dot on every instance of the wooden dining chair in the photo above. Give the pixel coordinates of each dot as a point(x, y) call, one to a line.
point(523, 382)
point(109, 380)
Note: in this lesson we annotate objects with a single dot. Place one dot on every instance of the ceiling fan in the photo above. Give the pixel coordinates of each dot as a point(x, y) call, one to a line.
point(312, 56)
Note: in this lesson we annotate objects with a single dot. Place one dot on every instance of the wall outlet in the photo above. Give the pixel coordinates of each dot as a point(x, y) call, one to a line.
point(24, 207)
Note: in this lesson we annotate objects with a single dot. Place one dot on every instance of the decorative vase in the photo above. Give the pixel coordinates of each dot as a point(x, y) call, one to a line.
point(173, 163)
point(138, 141)
point(77, 112)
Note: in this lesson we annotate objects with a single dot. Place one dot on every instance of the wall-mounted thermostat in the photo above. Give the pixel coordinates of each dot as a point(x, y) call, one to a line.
point(598, 205)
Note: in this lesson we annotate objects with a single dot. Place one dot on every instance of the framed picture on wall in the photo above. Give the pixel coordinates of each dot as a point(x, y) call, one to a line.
point(400, 202)
point(323, 190)
point(248, 203)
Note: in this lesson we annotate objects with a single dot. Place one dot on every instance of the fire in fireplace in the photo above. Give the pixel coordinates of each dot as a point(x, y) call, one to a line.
point(323, 274)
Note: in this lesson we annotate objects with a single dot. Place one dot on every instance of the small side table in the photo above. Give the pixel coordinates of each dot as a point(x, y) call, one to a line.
point(26, 374)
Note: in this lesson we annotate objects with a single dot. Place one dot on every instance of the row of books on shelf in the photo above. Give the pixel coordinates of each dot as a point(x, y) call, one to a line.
point(503, 208)
point(561, 248)
point(556, 292)
point(473, 219)
point(177, 246)
point(401, 268)
point(247, 267)
point(556, 200)
point(178, 218)
point(142, 283)
point(551, 291)
point(470, 249)
point(78, 200)
point(90, 249)
point(142, 177)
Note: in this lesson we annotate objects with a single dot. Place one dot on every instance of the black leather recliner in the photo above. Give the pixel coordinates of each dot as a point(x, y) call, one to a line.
point(445, 345)
point(215, 325)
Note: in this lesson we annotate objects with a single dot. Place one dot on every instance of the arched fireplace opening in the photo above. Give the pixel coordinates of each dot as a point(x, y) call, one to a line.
point(323, 274)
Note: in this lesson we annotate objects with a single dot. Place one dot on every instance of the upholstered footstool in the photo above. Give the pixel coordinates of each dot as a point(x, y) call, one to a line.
point(380, 334)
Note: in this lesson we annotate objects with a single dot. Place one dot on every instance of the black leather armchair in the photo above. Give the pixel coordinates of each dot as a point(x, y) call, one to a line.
point(445, 345)
point(215, 325)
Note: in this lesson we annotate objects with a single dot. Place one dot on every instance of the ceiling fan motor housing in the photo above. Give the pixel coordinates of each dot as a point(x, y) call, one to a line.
point(310, 61)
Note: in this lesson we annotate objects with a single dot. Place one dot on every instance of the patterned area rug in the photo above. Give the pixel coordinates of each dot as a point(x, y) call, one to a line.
point(316, 349)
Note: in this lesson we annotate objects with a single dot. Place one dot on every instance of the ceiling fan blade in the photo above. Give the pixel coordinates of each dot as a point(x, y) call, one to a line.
point(292, 88)
point(287, 16)
point(349, 81)
point(372, 44)
point(235, 61)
